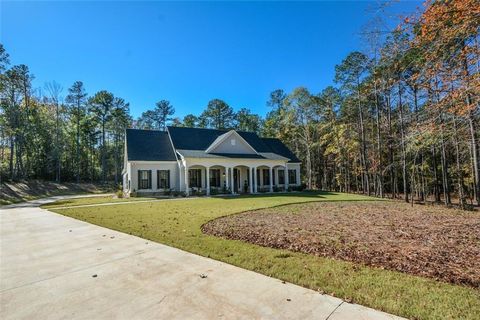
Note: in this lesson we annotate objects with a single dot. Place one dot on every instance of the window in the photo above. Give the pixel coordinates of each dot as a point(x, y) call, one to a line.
point(215, 178)
point(233, 142)
point(144, 179)
point(195, 178)
point(163, 179)
point(292, 176)
point(281, 176)
point(266, 177)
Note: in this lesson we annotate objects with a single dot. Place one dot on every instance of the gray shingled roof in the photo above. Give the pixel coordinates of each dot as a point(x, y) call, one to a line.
point(201, 139)
point(278, 147)
point(149, 145)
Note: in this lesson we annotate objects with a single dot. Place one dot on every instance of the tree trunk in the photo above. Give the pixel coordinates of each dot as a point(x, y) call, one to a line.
point(103, 153)
point(10, 162)
point(446, 186)
point(473, 139)
point(391, 157)
point(404, 152)
point(461, 194)
point(57, 147)
point(77, 151)
point(309, 168)
point(436, 188)
point(379, 143)
point(365, 183)
point(475, 160)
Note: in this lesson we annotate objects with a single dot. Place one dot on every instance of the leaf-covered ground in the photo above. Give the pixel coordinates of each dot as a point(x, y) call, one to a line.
point(428, 241)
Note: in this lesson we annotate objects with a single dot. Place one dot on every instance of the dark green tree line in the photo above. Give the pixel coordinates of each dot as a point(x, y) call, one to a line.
point(45, 136)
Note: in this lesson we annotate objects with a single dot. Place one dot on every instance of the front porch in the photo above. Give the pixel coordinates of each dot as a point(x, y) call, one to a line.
point(210, 178)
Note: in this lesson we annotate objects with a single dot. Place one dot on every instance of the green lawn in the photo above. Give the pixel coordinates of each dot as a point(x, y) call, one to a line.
point(92, 200)
point(177, 223)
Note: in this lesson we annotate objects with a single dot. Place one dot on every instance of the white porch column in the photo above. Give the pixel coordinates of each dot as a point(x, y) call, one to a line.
point(286, 178)
point(270, 176)
point(297, 175)
point(231, 181)
point(207, 177)
point(255, 189)
point(250, 178)
point(186, 181)
point(226, 177)
point(260, 175)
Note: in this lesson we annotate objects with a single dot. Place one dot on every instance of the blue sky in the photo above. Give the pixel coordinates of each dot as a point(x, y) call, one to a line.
point(187, 52)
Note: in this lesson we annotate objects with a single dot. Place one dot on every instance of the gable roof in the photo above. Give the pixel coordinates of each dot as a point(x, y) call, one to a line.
point(221, 138)
point(200, 139)
point(193, 138)
point(255, 141)
point(149, 145)
point(153, 145)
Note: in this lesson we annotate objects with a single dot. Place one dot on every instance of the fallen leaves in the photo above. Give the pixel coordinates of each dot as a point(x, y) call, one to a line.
point(427, 241)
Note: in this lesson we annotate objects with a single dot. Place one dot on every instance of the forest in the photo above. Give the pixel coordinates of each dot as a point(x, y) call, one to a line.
point(400, 120)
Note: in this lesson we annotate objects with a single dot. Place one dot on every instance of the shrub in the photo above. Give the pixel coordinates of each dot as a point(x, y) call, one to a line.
point(297, 188)
point(119, 194)
point(197, 192)
point(263, 189)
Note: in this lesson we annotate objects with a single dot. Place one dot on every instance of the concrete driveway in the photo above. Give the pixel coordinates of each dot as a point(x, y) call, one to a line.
point(55, 267)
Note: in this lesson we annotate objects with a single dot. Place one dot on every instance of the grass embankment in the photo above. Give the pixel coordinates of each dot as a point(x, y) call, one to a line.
point(178, 223)
point(15, 192)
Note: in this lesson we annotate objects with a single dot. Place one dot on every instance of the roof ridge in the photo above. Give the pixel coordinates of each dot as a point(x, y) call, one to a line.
point(214, 129)
point(270, 138)
point(197, 128)
point(148, 130)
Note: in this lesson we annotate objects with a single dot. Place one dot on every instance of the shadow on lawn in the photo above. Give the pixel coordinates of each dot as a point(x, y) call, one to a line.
point(303, 194)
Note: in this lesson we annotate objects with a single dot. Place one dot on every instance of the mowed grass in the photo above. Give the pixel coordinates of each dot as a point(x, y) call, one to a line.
point(177, 223)
point(92, 201)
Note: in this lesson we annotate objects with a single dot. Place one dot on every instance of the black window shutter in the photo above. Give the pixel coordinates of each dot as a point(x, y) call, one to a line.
point(139, 186)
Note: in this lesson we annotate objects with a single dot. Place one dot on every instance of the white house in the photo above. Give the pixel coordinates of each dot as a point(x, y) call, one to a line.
point(206, 160)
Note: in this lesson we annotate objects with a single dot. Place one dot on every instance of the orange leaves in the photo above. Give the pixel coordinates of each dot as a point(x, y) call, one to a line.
point(447, 35)
point(449, 20)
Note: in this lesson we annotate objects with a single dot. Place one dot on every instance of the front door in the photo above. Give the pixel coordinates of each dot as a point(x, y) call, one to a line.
point(236, 180)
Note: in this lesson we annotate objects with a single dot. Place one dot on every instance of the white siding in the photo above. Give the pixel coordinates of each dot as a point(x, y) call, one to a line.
point(153, 166)
point(296, 167)
point(233, 143)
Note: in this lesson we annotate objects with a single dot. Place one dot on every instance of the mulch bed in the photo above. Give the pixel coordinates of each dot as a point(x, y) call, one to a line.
point(428, 241)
